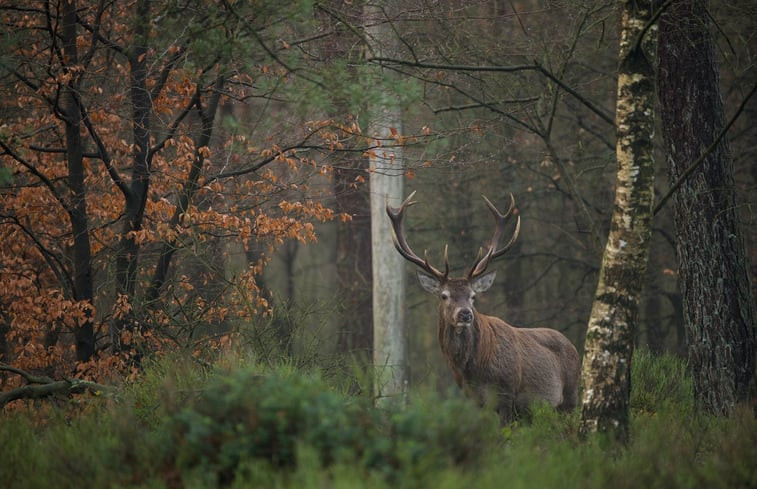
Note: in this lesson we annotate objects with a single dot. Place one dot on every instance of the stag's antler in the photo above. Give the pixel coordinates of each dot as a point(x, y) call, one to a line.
point(483, 259)
point(398, 237)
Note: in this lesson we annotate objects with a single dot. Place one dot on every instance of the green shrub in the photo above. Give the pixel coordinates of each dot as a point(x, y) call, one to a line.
point(165, 386)
point(436, 432)
point(249, 426)
point(660, 381)
point(247, 414)
point(22, 463)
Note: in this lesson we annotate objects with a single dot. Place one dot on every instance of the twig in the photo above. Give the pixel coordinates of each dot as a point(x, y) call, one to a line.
point(501, 69)
point(682, 178)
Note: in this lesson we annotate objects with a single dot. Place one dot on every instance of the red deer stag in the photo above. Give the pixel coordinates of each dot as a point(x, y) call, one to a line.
point(487, 356)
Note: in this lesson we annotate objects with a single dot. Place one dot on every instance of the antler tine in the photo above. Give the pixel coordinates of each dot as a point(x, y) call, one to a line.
point(446, 261)
point(479, 266)
point(400, 242)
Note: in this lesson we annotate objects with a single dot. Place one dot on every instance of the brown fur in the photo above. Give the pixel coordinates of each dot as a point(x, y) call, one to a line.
point(491, 360)
point(498, 364)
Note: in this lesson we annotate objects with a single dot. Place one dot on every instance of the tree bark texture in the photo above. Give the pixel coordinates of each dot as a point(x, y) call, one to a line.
point(389, 283)
point(609, 339)
point(386, 184)
point(719, 314)
point(352, 253)
point(127, 255)
point(83, 288)
point(353, 237)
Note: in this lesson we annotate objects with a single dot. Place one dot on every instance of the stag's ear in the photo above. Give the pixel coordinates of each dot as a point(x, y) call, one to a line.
point(484, 282)
point(429, 283)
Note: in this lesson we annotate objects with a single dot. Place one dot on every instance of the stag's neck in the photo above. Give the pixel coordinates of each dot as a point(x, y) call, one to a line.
point(465, 347)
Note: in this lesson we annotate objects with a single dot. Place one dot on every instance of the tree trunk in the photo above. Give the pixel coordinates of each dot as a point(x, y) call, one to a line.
point(77, 207)
point(609, 339)
point(353, 238)
point(352, 254)
point(386, 182)
point(136, 198)
point(207, 117)
point(718, 309)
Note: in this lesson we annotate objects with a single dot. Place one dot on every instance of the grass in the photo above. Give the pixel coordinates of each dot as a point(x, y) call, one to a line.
point(238, 425)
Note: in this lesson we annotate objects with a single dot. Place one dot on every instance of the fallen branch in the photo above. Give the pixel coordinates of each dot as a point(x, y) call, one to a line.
point(41, 387)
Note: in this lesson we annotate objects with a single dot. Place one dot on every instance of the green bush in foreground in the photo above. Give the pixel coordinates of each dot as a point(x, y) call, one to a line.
point(249, 426)
point(246, 414)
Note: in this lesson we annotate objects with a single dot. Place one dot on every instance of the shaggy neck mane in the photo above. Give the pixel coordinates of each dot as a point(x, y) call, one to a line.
point(468, 346)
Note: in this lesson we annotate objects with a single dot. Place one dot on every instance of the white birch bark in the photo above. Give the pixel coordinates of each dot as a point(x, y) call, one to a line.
point(608, 350)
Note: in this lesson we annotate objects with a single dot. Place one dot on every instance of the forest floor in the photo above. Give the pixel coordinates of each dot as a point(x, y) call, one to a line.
point(239, 425)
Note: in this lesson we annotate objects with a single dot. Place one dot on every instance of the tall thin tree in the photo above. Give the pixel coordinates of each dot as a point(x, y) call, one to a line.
point(608, 351)
point(77, 207)
point(386, 183)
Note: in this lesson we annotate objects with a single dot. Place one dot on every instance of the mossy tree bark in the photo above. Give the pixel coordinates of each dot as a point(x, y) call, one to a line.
point(609, 339)
point(719, 315)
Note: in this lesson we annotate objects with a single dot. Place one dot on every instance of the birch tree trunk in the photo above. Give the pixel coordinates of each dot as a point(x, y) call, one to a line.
point(386, 182)
point(609, 338)
point(719, 315)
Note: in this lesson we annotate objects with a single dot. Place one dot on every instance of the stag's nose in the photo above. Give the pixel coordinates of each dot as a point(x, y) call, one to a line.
point(465, 316)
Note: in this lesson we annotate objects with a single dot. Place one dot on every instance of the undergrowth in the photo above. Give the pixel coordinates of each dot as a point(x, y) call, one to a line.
point(241, 424)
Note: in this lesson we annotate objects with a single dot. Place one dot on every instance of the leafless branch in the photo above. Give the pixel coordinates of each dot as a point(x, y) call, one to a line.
point(682, 178)
point(40, 387)
point(502, 69)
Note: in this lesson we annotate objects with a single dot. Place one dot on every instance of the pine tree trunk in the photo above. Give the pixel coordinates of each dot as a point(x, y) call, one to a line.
point(609, 339)
point(718, 309)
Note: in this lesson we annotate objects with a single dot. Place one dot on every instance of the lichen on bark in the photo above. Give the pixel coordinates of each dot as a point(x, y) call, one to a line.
point(609, 340)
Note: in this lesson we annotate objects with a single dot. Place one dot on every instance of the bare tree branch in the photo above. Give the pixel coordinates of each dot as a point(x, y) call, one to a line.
point(502, 69)
point(53, 261)
point(706, 153)
point(40, 387)
point(34, 171)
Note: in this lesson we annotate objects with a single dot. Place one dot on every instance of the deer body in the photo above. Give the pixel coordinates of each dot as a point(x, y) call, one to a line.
point(515, 366)
point(493, 362)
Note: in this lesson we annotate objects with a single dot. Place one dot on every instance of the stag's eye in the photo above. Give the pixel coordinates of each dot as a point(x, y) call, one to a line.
point(445, 295)
point(472, 296)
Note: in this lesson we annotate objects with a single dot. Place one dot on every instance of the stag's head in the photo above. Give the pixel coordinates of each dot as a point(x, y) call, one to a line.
point(456, 295)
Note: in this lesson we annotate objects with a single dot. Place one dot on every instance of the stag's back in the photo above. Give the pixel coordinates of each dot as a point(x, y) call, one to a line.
point(529, 364)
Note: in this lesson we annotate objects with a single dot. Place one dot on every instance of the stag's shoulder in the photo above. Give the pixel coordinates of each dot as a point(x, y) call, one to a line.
point(493, 322)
